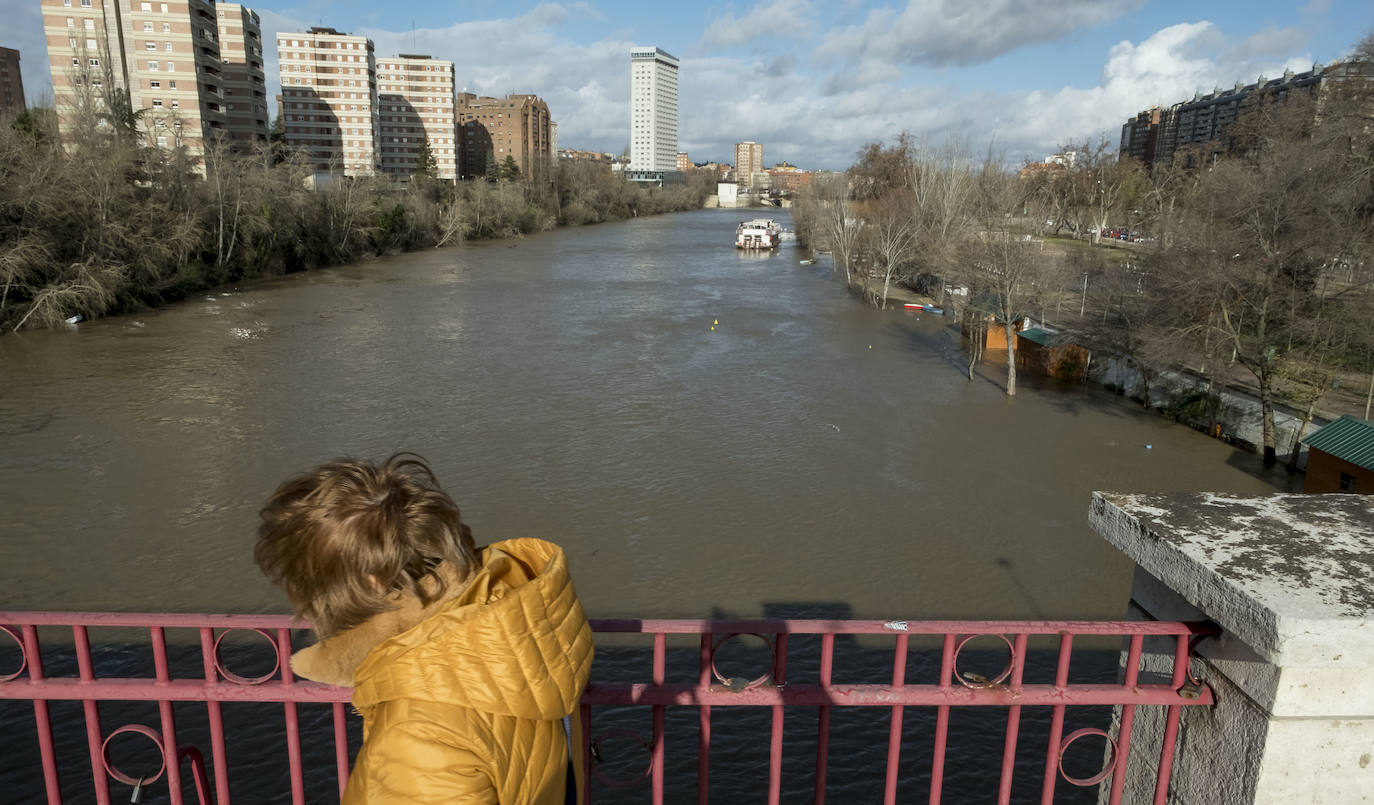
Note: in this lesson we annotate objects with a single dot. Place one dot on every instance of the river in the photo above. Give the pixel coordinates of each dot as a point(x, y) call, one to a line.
point(707, 432)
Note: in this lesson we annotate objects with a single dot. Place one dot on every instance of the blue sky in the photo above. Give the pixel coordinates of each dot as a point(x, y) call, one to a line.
point(813, 81)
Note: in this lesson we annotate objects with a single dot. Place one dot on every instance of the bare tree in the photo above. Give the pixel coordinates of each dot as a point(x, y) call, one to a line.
point(892, 233)
point(1005, 266)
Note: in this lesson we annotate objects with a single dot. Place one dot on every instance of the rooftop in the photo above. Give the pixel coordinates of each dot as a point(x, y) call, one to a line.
point(1348, 438)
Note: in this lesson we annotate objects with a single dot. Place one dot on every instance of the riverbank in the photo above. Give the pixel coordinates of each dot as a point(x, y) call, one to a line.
point(103, 226)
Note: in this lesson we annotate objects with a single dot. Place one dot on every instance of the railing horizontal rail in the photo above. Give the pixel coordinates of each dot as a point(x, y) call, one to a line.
point(189, 690)
point(654, 626)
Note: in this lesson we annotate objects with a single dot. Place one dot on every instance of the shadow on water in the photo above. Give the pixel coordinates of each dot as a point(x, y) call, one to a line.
point(739, 746)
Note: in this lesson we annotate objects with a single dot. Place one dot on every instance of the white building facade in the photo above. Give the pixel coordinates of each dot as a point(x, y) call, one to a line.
point(653, 110)
point(416, 97)
point(329, 98)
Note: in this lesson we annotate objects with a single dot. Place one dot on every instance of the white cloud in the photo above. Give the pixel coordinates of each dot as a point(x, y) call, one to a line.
point(770, 20)
point(958, 32)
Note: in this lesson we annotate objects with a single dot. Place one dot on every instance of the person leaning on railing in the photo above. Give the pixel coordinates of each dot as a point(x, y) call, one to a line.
point(467, 664)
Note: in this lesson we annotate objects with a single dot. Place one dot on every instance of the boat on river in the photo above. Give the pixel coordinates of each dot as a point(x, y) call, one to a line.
point(759, 233)
point(939, 311)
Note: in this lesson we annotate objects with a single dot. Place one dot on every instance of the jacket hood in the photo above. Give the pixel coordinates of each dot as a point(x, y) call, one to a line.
point(511, 640)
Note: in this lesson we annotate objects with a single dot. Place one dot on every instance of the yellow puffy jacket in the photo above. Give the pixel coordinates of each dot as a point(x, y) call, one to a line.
point(464, 701)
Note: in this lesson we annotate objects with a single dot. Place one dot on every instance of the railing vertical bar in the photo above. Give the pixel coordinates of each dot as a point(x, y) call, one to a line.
point(1018, 669)
point(937, 765)
point(341, 745)
point(1182, 658)
point(775, 741)
point(42, 721)
point(1061, 681)
point(1166, 755)
point(1123, 738)
point(586, 754)
point(704, 723)
point(293, 726)
point(894, 731)
point(823, 725)
point(219, 757)
point(91, 710)
point(660, 675)
point(164, 709)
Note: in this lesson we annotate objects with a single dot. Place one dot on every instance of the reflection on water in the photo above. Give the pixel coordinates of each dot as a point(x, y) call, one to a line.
point(570, 386)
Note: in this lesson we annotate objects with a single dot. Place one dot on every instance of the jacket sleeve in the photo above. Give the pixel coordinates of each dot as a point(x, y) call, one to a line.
point(415, 763)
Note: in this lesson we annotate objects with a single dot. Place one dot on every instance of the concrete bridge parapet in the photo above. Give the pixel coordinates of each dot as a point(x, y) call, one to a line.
point(1290, 581)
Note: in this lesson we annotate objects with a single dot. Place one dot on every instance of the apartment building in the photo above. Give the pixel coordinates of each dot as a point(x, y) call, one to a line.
point(653, 110)
point(748, 161)
point(417, 106)
point(491, 129)
point(163, 58)
point(245, 86)
point(11, 84)
point(330, 100)
point(1201, 126)
point(684, 162)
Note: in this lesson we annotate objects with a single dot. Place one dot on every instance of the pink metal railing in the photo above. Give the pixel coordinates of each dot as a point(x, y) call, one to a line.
point(953, 688)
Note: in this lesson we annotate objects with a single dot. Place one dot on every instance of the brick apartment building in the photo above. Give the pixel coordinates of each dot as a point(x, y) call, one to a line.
point(164, 58)
point(1201, 126)
point(491, 129)
point(748, 161)
point(330, 100)
point(11, 84)
point(417, 105)
point(245, 88)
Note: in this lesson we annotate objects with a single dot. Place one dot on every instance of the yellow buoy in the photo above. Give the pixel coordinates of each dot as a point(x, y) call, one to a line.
point(713, 329)
point(717, 321)
point(870, 346)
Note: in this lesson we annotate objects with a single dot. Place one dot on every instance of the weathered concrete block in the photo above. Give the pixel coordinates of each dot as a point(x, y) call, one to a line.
point(1290, 579)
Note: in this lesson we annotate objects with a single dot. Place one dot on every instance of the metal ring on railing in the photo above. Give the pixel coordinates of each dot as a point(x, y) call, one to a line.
point(247, 680)
point(627, 782)
point(23, 656)
point(985, 683)
point(1084, 782)
point(110, 769)
point(738, 683)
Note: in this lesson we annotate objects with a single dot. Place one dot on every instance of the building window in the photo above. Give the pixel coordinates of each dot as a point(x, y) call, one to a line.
point(171, 67)
point(95, 62)
point(169, 47)
point(176, 104)
point(155, 85)
point(147, 26)
point(164, 8)
point(157, 103)
point(161, 142)
point(71, 23)
point(166, 27)
point(171, 85)
point(152, 65)
point(85, 3)
point(150, 46)
point(147, 8)
point(1347, 482)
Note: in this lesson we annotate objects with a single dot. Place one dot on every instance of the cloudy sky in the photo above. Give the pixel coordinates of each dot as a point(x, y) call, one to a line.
point(813, 80)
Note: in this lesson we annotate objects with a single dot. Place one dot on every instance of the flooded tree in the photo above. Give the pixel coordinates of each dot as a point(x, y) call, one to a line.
point(1005, 265)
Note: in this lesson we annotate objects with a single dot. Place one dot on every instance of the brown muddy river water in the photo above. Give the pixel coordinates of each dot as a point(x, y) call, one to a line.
point(807, 455)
